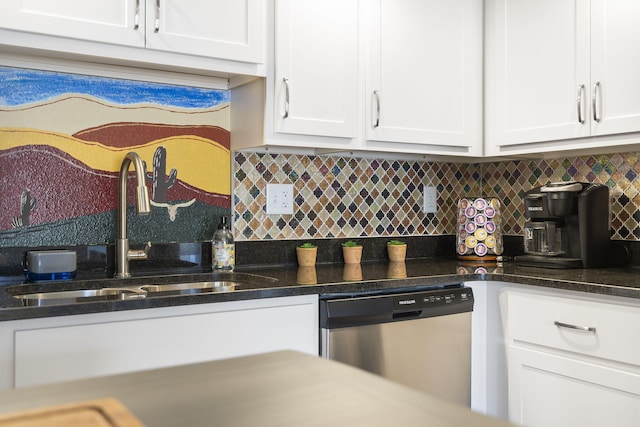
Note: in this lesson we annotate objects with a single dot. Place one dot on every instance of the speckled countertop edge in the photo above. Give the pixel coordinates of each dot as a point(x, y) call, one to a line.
point(330, 279)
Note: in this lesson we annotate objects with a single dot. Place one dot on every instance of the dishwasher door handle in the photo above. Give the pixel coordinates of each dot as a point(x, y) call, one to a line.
point(406, 315)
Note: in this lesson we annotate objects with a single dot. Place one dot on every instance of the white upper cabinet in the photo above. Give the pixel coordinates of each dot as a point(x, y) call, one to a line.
point(424, 76)
point(559, 70)
point(229, 30)
point(118, 22)
point(421, 61)
point(226, 29)
point(316, 67)
point(538, 60)
point(615, 66)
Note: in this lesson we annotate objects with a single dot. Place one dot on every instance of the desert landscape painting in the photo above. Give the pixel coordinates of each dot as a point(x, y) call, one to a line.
point(63, 138)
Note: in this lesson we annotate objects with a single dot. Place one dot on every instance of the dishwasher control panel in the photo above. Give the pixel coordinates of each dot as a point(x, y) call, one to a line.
point(357, 310)
point(432, 299)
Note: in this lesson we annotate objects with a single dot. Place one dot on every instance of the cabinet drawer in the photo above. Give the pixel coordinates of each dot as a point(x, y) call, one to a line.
point(613, 331)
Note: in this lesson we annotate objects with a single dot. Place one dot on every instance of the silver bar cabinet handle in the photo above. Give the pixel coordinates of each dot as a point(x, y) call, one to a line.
point(286, 97)
point(376, 122)
point(157, 24)
point(594, 101)
point(136, 18)
point(580, 95)
point(579, 328)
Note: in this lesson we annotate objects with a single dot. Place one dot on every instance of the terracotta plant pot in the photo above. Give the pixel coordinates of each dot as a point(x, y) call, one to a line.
point(306, 256)
point(397, 253)
point(352, 254)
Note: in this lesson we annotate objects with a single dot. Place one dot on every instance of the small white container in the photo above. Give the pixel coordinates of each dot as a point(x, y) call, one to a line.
point(51, 265)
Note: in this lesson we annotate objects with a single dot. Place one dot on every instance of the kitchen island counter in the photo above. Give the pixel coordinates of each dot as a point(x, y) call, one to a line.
point(272, 389)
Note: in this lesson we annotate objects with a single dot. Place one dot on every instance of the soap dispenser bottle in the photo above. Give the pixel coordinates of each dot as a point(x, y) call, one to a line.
point(224, 249)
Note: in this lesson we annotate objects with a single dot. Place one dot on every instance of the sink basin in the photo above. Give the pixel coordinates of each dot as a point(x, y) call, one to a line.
point(215, 284)
point(84, 295)
point(193, 287)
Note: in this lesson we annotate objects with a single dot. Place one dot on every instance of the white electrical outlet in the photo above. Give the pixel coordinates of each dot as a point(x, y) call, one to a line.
point(279, 199)
point(430, 200)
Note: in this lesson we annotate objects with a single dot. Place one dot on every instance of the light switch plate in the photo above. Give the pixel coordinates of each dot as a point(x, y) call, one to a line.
point(279, 199)
point(430, 200)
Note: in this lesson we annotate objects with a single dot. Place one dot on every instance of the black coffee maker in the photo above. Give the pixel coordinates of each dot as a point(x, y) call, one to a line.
point(567, 226)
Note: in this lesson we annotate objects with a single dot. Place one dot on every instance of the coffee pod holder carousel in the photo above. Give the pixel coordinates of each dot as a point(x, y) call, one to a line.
point(479, 233)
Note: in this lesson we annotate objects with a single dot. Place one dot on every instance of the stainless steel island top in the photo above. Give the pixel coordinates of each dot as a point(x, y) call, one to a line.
point(274, 389)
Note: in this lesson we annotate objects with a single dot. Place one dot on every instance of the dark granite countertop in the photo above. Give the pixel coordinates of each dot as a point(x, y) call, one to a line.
point(335, 278)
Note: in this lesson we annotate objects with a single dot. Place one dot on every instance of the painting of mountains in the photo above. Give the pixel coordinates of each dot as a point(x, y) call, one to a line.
point(63, 138)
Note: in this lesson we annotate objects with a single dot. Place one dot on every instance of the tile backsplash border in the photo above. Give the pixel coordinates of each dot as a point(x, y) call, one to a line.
point(344, 197)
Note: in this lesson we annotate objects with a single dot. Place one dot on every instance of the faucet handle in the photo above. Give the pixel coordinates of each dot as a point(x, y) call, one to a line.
point(139, 253)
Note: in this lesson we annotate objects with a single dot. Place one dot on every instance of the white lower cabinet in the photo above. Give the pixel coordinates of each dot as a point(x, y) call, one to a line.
point(546, 389)
point(40, 351)
point(488, 352)
point(572, 361)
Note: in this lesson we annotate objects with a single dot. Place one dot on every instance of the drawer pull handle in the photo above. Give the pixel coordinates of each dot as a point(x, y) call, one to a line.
point(577, 327)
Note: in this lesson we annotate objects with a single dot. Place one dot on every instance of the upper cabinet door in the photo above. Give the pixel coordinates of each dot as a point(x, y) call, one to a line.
point(537, 71)
point(116, 21)
point(615, 66)
point(232, 30)
point(424, 75)
point(316, 67)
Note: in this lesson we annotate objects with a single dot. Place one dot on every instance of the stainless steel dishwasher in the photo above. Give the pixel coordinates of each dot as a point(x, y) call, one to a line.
point(421, 339)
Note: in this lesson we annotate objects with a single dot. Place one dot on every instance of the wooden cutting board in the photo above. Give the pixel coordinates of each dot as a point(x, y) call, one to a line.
point(106, 412)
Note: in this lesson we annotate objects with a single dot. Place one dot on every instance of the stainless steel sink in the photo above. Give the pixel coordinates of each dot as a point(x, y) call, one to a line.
point(218, 284)
point(84, 295)
point(193, 287)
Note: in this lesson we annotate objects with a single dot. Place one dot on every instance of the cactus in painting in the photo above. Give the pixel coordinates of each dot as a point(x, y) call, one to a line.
point(157, 176)
point(27, 204)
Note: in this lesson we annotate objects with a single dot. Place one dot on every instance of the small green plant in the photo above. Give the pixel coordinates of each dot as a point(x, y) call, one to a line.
point(307, 245)
point(350, 244)
point(395, 242)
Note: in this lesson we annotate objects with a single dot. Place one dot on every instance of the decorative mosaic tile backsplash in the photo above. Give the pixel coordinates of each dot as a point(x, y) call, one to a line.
point(349, 197)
